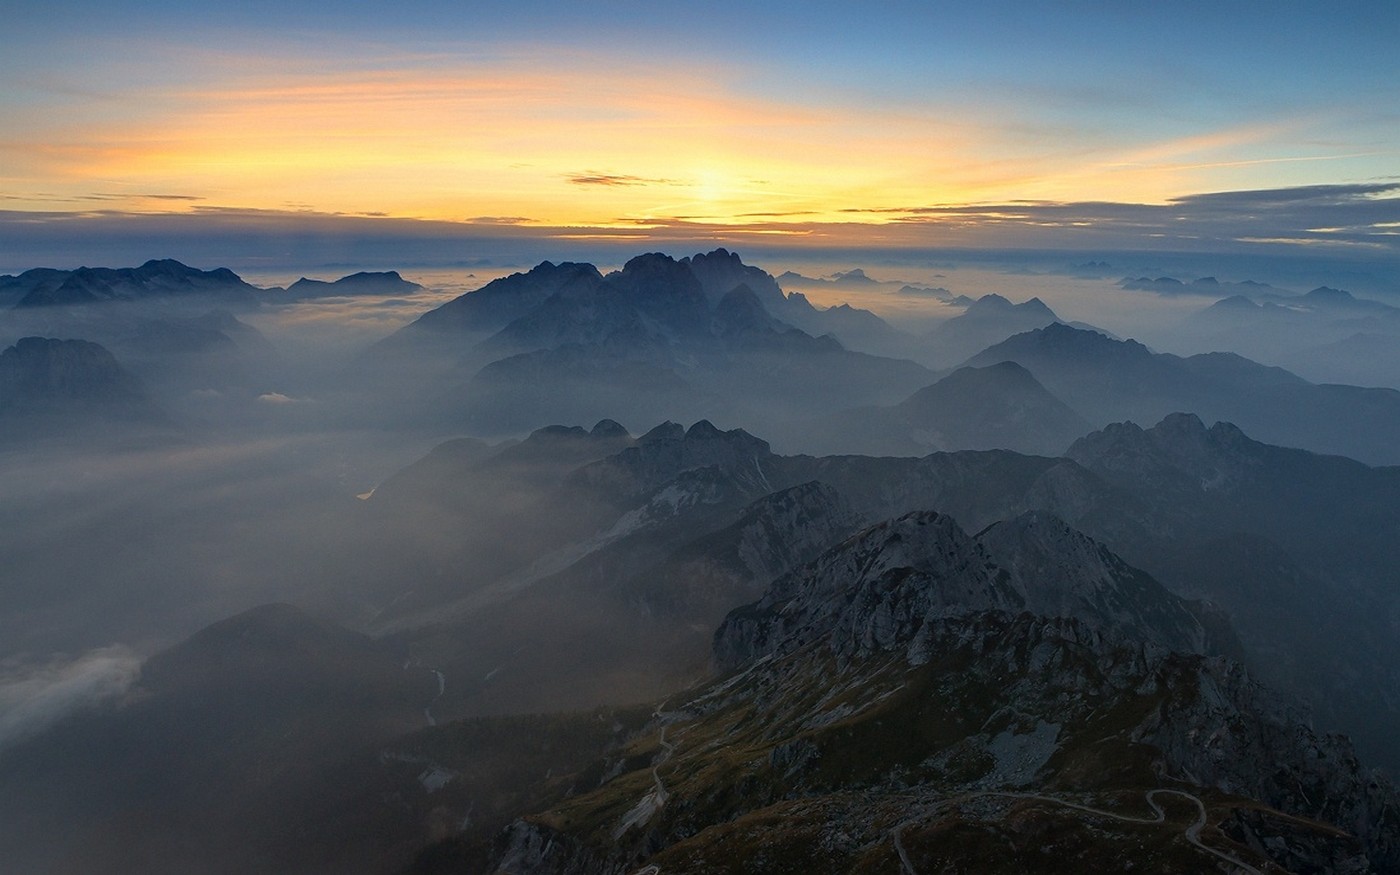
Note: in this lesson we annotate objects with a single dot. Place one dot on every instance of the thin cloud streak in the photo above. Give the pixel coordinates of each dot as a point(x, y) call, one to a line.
point(610, 179)
point(1359, 219)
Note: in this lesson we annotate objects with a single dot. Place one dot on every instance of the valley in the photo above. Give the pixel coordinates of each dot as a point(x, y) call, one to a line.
point(667, 569)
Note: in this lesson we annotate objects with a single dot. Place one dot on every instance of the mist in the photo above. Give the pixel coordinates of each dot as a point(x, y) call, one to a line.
point(322, 537)
point(35, 696)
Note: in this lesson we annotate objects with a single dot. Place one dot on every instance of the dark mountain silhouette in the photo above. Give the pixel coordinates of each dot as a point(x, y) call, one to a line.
point(1228, 518)
point(500, 302)
point(997, 406)
point(49, 385)
point(658, 337)
point(362, 283)
point(156, 279)
point(1170, 500)
point(722, 271)
point(1327, 335)
point(210, 762)
point(988, 320)
point(1108, 380)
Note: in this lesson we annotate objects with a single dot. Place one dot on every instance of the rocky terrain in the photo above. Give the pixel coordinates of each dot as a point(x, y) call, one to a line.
point(905, 702)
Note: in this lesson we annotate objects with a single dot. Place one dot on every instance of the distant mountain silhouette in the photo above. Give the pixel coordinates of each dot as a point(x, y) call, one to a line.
point(1108, 380)
point(363, 283)
point(1326, 335)
point(997, 406)
point(500, 302)
point(988, 320)
point(50, 385)
point(705, 336)
point(156, 279)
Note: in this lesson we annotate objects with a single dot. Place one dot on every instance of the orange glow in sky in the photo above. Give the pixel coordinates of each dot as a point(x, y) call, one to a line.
point(578, 144)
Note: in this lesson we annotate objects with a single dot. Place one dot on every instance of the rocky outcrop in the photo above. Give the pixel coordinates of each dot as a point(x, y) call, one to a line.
point(1064, 573)
point(872, 593)
point(706, 578)
point(885, 589)
point(668, 450)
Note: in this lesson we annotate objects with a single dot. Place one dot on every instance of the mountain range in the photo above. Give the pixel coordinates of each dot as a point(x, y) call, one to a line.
point(1327, 335)
point(1065, 604)
point(627, 511)
point(165, 278)
point(706, 336)
point(1107, 380)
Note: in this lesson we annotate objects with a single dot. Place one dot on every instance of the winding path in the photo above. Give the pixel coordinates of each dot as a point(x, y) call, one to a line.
point(655, 800)
point(442, 687)
point(1192, 833)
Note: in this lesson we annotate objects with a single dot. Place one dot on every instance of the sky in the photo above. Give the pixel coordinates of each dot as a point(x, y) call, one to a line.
point(1076, 125)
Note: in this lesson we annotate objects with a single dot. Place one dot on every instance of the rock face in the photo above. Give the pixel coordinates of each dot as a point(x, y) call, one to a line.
point(870, 594)
point(887, 587)
point(1064, 573)
point(668, 450)
point(1003, 703)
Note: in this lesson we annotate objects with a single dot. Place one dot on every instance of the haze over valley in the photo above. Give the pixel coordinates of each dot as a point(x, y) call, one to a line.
point(622, 439)
point(226, 511)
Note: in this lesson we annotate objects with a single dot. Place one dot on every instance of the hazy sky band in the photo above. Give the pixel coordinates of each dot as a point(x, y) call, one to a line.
point(646, 115)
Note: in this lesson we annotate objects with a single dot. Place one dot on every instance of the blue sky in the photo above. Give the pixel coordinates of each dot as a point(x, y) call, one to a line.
point(817, 121)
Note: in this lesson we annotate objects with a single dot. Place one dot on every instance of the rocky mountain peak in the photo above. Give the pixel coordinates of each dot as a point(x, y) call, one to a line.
point(656, 270)
point(1062, 572)
point(1065, 343)
point(721, 271)
point(668, 450)
point(872, 593)
point(501, 301)
point(1328, 295)
point(1181, 427)
point(889, 586)
point(1179, 453)
point(666, 432)
point(740, 312)
point(990, 303)
point(609, 428)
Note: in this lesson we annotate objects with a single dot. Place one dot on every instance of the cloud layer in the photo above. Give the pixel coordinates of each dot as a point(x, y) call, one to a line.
point(1350, 221)
point(34, 697)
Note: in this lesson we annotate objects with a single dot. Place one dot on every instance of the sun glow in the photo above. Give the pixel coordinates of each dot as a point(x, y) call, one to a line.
point(569, 140)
